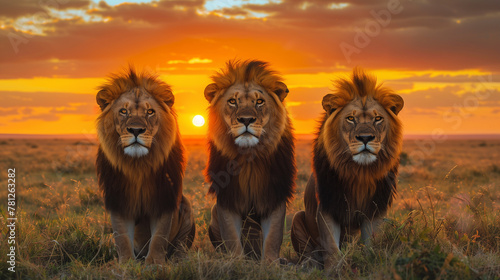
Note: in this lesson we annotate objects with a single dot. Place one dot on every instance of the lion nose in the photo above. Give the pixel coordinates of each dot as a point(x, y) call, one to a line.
point(136, 131)
point(365, 138)
point(246, 121)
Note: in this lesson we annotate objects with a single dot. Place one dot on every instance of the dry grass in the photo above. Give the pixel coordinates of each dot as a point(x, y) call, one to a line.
point(445, 223)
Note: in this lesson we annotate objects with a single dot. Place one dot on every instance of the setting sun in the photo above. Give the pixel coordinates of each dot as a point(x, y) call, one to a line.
point(198, 121)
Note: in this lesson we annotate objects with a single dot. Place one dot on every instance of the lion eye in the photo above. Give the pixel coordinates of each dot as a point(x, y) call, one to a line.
point(232, 101)
point(350, 118)
point(151, 112)
point(378, 118)
point(260, 101)
point(123, 111)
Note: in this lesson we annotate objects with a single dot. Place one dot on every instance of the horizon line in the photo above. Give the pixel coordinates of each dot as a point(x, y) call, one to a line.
point(299, 136)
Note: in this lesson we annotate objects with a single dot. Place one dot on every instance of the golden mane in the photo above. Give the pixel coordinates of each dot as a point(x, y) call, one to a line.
point(166, 137)
point(249, 71)
point(362, 85)
point(119, 83)
point(246, 72)
point(122, 178)
point(329, 147)
point(265, 174)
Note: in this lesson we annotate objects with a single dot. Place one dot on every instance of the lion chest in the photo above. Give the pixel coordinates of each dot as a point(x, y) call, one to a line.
point(252, 183)
point(352, 202)
point(140, 192)
point(251, 191)
point(256, 183)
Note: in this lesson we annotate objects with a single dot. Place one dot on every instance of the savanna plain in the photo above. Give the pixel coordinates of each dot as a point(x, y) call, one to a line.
point(444, 224)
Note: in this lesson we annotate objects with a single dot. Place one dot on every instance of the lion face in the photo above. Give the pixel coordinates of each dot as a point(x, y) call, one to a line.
point(361, 124)
point(364, 129)
point(246, 113)
point(135, 115)
point(137, 120)
point(247, 108)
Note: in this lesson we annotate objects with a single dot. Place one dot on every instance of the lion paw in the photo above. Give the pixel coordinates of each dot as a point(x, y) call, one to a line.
point(155, 260)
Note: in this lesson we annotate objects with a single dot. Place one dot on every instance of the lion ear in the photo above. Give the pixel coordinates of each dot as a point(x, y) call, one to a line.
point(397, 104)
point(210, 91)
point(330, 103)
point(102, 99)
point(281, 90)
point(168, 98)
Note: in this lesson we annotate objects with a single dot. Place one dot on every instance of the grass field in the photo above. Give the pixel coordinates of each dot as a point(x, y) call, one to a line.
point(444, 224)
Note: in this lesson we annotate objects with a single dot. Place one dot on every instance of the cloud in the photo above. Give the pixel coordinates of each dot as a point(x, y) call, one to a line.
point(74, 109)
point(412, 111)
point(303, 94)
point(19, 8)
point(356, 11)
point(443, 78)
point(24, 106)
point(441, 35)
point(195, 60)
point(8, 111)
point(305, 103)
point(11, 99)
point(447, 97)
point(161, 13)
point(39, 117)
point(306, 111)
point(398, 86)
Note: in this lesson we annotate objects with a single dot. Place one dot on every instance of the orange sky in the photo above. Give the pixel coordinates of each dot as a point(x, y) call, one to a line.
point(441, 57)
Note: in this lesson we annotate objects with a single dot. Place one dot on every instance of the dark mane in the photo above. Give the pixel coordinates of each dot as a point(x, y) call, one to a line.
point(261, 178)
point(336, 194)
point(152, 184)
point(350, 192)
point(246, 71)
point(278, 168)
point(161, 189)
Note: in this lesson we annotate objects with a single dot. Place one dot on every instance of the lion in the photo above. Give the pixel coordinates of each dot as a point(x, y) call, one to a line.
point(355, 166)
point(251, 165)
point(140, 165)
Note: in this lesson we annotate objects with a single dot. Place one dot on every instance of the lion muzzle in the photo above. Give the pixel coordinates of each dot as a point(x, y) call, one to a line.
point(135, 146)
point(246, 139)
point(246, 136)
point(365, 139)
point(136, 150)
point(246, 121)
point(136, 131)
point(366, 153)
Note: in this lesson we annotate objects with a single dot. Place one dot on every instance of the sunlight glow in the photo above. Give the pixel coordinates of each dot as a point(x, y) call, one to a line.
point(198, 121)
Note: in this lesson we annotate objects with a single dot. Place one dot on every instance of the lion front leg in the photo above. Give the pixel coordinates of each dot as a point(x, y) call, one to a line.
point(329, 236)
point(160, 233)
point(123, 232)
point(369, 229)
point(142, 236)
point(272, 233)
point(228, 223)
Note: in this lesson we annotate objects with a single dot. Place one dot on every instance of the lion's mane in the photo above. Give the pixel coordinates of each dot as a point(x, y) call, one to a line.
point(259, 179)
point(150, 185)
point(343, 185)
